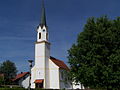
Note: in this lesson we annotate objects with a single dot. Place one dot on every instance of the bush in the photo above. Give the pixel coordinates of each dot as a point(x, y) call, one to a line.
point(12, 89)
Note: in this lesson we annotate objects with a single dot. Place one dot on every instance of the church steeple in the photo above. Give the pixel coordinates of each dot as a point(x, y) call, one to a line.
point(43, 16)
point(42, 32)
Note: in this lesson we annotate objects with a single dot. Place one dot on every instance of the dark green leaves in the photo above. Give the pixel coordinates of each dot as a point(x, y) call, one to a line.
point(95, 58)
point(9, 70)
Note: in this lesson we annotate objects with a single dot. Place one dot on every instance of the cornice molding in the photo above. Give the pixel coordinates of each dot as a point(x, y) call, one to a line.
point(42, 42)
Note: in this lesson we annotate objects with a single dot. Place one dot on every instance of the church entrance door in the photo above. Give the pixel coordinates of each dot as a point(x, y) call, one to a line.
point(39, 83)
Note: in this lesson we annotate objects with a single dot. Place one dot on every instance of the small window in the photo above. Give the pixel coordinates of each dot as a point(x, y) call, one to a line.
point(43, 30)
point(39, 35)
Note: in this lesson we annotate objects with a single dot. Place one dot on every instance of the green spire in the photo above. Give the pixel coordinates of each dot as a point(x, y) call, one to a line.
point(43, 16)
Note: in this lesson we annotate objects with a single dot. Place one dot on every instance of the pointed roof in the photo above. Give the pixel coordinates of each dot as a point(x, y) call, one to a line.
point(20, 75)
point(59, 63)
point(43, 16)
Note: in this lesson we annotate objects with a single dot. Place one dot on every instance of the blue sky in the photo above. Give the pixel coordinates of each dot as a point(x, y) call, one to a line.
point(65, 19)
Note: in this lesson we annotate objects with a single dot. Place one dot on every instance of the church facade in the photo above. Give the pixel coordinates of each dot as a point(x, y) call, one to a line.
point(48, 72)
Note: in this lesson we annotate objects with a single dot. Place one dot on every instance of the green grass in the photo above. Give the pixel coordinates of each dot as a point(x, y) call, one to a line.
point(12, 89)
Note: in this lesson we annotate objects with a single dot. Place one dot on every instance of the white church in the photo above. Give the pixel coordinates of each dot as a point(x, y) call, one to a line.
point(47, 72)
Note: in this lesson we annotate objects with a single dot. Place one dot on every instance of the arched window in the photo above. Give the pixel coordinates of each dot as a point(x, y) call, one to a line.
point(39, 35)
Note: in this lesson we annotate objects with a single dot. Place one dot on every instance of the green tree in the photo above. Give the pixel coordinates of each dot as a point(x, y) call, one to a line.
point(1, 79)
point(9, 70)
point(95, 57)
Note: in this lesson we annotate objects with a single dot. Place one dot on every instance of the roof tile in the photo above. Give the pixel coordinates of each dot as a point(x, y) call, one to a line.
point(39, 81)
point(59, 63)
point(20, 76)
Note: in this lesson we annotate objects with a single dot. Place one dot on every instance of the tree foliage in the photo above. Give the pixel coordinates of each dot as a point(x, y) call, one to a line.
point(1, 79)
point(9, 70)
point(95, 57)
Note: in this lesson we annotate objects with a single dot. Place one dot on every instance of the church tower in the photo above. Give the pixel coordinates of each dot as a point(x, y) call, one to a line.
point(40, 71)
point(42, 30)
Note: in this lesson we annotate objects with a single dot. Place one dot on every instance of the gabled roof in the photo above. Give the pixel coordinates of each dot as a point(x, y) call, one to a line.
point(59, 63)
point(20, 76)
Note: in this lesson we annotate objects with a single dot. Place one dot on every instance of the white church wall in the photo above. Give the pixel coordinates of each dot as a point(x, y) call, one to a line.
point(54, 76)
point(40, 55)
point(41, 60)
point(47, 55)
point(25, 82)
point(37, 73)
point(33, 76)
